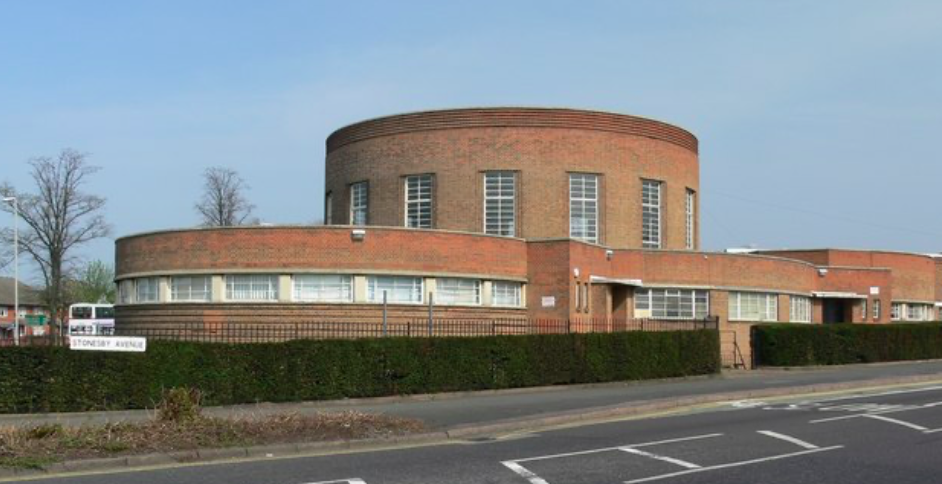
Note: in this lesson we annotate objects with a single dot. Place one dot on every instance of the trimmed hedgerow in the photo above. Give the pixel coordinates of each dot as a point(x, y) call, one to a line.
point(840, 344)
point(51, 379)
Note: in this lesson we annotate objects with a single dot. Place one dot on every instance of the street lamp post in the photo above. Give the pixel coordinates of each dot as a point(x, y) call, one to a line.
point(16, 270)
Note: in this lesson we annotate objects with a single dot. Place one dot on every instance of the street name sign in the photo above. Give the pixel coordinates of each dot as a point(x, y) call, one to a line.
point(108, 343)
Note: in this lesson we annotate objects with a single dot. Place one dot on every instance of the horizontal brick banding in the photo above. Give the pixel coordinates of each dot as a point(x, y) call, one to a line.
point(512, 117)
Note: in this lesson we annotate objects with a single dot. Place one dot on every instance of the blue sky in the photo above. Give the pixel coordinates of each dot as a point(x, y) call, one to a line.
point(818, 121)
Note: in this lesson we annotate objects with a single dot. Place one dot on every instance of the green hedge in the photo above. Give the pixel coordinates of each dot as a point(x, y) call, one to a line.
point(840, 344)
point(43, 379)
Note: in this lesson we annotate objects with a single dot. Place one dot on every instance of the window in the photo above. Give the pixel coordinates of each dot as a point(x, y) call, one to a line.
point(419, 201)
point(896, 311)
point(916, 312)
point(124, 291)
point(800, 309)
point(583, 207)
point(329, 209)
point(263, 287)
point(753, 306)
point(863, 310)
point(398, 289)
point(876, 310)
point(198, 288)
point(3, 312)
point(690, 208)
point(651, 214)
point(146, 290)
point(506, 293)
point(499, 203)
point(911, 312)
point(359, 199)
point(458, 291)
point(672, 303)
point(323, 288)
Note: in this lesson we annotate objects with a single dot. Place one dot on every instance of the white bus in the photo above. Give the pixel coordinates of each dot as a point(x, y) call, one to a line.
point(91, 319)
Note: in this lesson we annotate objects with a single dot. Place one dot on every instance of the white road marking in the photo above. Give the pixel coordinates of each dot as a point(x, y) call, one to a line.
point(733, 464)
point(524, 472)
point(880, 412)
point(786, 438)
point(339, 481)
point(620, 447)
point(664, 458)
point(897, 422)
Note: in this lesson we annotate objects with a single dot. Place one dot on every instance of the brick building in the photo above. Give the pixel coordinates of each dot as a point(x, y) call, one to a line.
point(509, 213)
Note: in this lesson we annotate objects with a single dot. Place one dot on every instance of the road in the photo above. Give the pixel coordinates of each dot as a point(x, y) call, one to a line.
point(888, 436)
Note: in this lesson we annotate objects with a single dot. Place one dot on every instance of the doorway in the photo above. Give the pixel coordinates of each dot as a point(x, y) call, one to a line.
point(836, 311)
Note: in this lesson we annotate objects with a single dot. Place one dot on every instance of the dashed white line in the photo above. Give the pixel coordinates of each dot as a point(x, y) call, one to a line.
point(664, 458)
point(733, 464)
point(339, 481)
point(524, 472)
point(897, 422)
point(786, 438)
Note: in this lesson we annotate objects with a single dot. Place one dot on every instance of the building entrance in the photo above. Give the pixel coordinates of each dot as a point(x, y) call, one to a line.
point(836, 311)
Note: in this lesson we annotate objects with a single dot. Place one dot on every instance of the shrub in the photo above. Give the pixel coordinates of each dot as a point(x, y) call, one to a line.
point(839, 344)
point(53, 379)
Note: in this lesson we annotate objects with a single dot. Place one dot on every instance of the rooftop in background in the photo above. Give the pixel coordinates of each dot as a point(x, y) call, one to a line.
point(29, 296)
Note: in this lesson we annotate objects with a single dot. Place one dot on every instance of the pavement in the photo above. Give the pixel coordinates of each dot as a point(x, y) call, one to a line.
point(486, 416)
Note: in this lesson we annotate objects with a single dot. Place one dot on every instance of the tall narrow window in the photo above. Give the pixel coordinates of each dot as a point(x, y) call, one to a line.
point(329, 209)
point(691, 208)
point(651, 214)
point(876, 310)
point(359, 198)
point(419, 201)
point(583, 207)
point(499, 203)
point(146, 290)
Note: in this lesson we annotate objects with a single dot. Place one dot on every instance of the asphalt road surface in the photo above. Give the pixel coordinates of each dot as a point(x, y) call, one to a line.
point(891, 436)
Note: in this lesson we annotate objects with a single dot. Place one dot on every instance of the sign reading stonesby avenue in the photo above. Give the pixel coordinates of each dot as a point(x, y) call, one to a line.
point(108, 343)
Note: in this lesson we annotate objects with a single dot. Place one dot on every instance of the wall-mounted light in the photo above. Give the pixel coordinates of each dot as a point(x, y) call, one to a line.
point(822, 272)
point(357, 235)
point(608, 254)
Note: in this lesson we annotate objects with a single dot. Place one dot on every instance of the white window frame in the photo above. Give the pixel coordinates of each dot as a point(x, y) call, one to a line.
point(506, 294)
point(419, 203)
point(452, 291)
point(584, 207)
point(125, 291)
point(500, 208)
point(799, 309)
point(414, 285)
point(876, 310)
point(690, 208)
point(896, 311)
point(261, 287)
point(333, 288)
point(766, 304)
point(359, 203)
point(864, 310)
point(191, 295)
point(651, 201)
point(149, 288)
point(671, 303)
point(3, 312)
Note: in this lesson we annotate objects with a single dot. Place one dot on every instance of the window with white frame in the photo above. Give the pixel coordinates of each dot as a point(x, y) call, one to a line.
point(500, 203)
point(252, 287)
point(800, 309)
point(146, 289)
point(419, 201)
point(398, 289)
point(125, 288)
point(506, 293)
point(329, 209)
point(863, 310)
point(876, 310)
point(191, 288)
point(753, 306)
point(651, 214)
point(322, 288)
point(690, 208)
point(453, 291)
point(359, 200)
point(672, 303)
point(584, 206)
point(896, 311)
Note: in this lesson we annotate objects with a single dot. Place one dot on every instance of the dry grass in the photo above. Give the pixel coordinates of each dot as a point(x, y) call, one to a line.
point(41, 445)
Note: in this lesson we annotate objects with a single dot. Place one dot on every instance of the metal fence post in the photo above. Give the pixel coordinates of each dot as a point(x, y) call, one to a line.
point(385, 327)
point(431, 311)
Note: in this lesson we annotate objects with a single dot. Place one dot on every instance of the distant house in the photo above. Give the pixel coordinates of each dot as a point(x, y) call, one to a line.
point(30, 305)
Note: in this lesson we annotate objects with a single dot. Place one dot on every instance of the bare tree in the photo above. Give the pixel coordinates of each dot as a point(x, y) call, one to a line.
point(58, 218)
point(224, 203)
